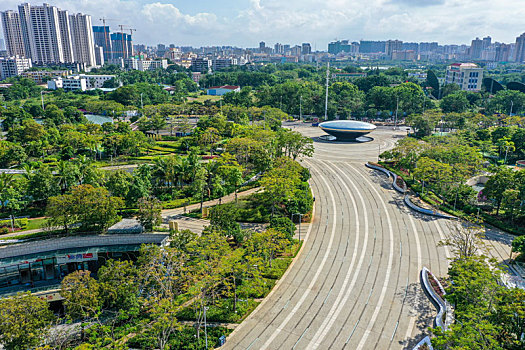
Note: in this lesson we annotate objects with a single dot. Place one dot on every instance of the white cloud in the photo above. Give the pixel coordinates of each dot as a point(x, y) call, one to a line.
point(246, 23)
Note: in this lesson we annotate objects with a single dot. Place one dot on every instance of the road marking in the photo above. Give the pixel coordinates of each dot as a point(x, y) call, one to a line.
point(412, 321)
point(388, 269)
point(284, 276)
point(249, 346)
point(353, 330)
point(344, 294)
point(285, 305)
point(395, 330)
point(327, 295)
point(317, 273)
point(442, 236)
point(369, 295)
point(301, 337)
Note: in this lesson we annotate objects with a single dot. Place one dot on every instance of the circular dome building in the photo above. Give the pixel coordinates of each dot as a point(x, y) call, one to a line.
point(347, 130)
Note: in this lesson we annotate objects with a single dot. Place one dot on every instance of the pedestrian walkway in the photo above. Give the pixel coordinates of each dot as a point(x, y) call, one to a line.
point(226, 199)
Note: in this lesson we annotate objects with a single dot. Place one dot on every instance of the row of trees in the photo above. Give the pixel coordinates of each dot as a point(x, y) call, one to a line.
point(140, 304)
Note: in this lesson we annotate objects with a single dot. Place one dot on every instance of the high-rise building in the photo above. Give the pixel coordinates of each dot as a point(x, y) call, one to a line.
point(66, 39)
point(487, 41)
point(13, 34)
point(278, 48)
point(426, 47)
point(49, 35)
point(41, 33)
point(371, 46)
point(102, 38)
point(475, 49)
point(83, 41)
point(519, 51)
point(393, 45)
point(13, 66)
point(2, 44)
point(122, 45)
point(503, 53)
point(306, 48)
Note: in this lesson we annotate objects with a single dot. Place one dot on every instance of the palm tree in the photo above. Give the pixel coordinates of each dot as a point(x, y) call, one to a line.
point(6, 181)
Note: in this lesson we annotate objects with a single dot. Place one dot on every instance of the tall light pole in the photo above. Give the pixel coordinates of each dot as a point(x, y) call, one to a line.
point(205, 329)
point(326, 97)
point(397, 107)
point(42, 98)
point(141, 103)
point(301, 107)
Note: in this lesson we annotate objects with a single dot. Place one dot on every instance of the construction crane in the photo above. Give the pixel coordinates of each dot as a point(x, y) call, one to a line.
point(106, 34)
point(131, 30)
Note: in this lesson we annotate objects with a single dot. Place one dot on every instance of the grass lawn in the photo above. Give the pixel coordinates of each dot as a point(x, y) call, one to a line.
point(34, 224)
point(203, 98)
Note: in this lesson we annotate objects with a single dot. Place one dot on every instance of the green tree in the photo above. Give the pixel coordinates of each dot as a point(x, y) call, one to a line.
point(81, 294)
point(497, 184)
point(149, 214)
point(518, 245)
point(26, 320)
point(119, 287)
point(456, 102)
point(433, 82)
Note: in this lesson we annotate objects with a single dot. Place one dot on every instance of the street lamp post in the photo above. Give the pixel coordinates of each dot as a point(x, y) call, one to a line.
point(205, 329)
point(300, 220)
point(301, 107)
point(42, 98)
point(141, 103)
point(397, 108)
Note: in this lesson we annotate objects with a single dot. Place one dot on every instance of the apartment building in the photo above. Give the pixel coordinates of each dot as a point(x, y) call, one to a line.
point(13, 66)
point(468, 76)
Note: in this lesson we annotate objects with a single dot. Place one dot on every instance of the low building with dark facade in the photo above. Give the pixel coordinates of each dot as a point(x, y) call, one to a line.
point(40, 266)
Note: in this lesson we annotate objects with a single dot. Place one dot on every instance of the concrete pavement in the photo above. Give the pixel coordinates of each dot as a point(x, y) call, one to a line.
point(355, 284)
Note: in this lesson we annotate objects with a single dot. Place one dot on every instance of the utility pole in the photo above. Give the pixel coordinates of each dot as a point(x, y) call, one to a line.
point(205, 329)
point(42, 98)
point(301, 107)
point(397, 107)
point(326, 97)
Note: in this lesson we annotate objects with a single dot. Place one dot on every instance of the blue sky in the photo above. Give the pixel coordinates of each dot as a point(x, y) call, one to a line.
point(246, 22)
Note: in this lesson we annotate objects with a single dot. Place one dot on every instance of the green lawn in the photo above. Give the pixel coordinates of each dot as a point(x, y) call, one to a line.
point(34, 224)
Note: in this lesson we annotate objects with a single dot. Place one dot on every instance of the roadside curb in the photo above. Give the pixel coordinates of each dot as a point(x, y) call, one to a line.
point(407, 199)
point(444, 308)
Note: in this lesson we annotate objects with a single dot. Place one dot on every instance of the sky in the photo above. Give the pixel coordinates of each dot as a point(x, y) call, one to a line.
point(245, 23)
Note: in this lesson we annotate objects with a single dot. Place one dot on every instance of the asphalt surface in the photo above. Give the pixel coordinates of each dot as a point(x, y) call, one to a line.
point(355, 284)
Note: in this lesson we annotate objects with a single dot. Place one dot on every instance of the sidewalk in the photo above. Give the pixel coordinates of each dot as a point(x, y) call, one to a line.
point(169, 214)
point(226, 199)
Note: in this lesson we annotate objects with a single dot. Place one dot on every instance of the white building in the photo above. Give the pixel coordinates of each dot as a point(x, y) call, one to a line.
point(96, 81)
point(144, 65)
point(71, 83)
point(222, 90)
point(79, 82)
point(12, 34)
point(468, 76)
point(49, 35)
point(83, 40)
point(13, 66)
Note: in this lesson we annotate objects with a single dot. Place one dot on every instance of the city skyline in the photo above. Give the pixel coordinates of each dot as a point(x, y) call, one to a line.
point(244, 23)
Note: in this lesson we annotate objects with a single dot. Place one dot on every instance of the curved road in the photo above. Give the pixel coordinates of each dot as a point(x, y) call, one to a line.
point(355, 283)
